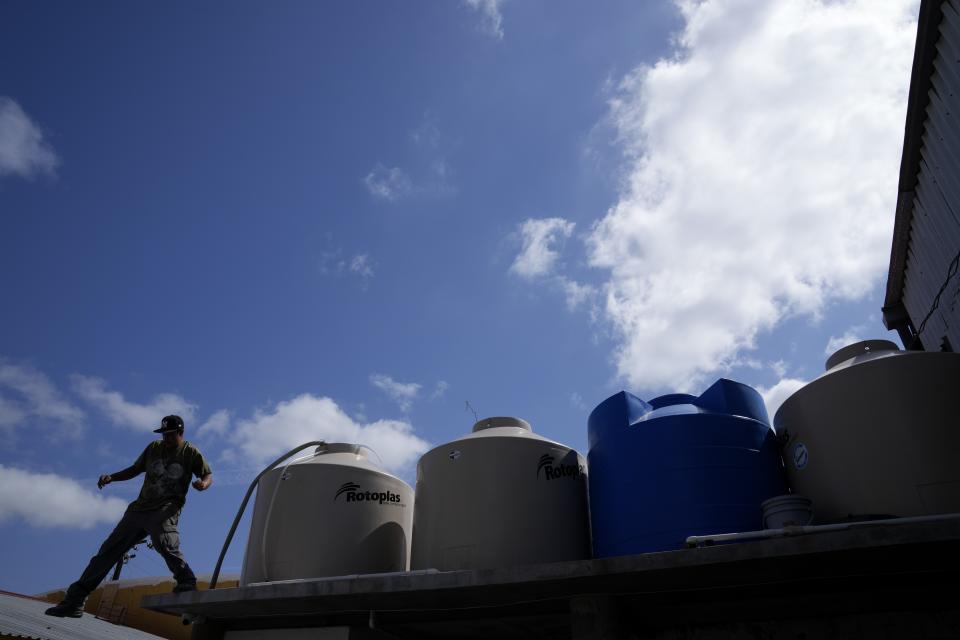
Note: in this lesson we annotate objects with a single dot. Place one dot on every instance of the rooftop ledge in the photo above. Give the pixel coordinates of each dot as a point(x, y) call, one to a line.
point(901, 558)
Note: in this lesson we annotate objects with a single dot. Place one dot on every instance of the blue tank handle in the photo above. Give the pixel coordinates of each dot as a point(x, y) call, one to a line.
point(735, 398)
point(619, 410)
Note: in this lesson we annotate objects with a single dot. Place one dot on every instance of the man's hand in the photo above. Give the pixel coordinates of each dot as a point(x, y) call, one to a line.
point(203, 483)
point(104, 480)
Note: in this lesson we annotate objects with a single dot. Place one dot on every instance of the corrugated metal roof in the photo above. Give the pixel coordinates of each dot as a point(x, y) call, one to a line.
point(23, 617)
point(935, 226)
point(927, 230)
point(894, 315)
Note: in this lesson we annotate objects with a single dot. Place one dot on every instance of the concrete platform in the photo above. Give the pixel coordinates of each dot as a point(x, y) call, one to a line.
point(871, 582)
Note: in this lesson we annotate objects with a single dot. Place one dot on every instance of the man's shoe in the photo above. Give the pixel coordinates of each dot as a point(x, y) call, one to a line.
point(65, 610)
point(183, 587)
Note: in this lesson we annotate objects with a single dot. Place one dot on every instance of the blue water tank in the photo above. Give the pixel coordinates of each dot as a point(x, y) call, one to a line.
point(679, 465)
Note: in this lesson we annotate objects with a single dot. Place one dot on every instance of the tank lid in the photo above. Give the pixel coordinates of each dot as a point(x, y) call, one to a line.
point(858, 349)
point(342, 447)
point(501, 421)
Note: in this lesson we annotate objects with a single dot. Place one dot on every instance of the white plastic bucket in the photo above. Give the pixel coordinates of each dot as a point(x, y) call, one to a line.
point(787, 510)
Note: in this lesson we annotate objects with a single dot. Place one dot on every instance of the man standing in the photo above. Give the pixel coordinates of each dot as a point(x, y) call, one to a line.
point(169, 464)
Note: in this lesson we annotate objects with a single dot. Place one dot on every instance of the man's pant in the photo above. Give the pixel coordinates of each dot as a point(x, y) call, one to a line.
point(160, 524)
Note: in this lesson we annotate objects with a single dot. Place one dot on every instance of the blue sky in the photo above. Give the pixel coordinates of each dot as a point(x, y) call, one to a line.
point(345, 220)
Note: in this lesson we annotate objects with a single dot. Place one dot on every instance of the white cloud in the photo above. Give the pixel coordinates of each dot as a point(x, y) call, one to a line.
point(333, 263)
point(268, 434)
point(48, 500)
point(403, 393)
point(216, 425)
point(389, 184)
point(577, 402)
point(779, 368)
point(492, 18)
point(360, 265)
point(577, 293)
point(749, 363)
point(763, 162)
point(540, 241)
point(435, 175)
point(440, 390)
point(23, 151)
point(429, 173)
point(539, 238)
point(850, 336)
point(774, 396)
point(120, 411)
point(35, 395)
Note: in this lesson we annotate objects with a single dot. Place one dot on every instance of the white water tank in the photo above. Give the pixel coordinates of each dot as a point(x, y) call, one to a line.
point(499, 497)
point(878, 434)
point(332, 513)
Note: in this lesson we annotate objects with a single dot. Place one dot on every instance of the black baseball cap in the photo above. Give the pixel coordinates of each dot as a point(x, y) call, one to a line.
point(170, 423)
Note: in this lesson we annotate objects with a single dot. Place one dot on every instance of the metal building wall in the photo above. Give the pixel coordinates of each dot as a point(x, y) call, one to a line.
point(935, 225)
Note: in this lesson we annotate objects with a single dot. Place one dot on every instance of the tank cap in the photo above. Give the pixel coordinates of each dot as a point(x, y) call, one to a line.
point(341, 447)
point(859, 349)
point(501, 421)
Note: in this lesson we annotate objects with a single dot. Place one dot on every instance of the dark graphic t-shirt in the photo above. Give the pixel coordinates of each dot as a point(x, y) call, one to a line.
point(168, 474)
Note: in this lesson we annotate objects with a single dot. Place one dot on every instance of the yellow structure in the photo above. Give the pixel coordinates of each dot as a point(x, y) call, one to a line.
point(119, 602)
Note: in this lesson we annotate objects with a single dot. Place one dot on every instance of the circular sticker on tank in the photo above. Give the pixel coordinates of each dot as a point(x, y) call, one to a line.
point(800, 455)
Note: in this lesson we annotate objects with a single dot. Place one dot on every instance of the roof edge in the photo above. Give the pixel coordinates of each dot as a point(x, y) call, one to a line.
point(925, 50)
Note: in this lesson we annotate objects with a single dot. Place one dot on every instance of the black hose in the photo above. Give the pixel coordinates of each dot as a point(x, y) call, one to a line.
point(246, 498)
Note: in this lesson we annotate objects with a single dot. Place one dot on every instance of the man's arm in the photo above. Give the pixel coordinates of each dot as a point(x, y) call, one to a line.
point(201, 469)
point(203, 483)
point(130, 472)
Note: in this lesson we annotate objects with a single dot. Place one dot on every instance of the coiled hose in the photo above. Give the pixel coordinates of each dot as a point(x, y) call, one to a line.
point(246, 498)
